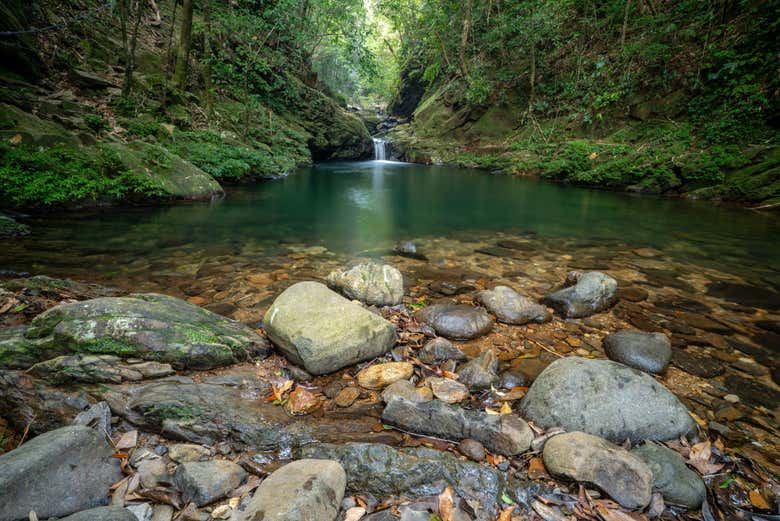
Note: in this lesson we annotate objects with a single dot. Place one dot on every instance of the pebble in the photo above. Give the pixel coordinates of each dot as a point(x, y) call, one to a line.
point(731, 398)
point(186, 452)
point(379, 376)
point(142, 511)
point(472, 449)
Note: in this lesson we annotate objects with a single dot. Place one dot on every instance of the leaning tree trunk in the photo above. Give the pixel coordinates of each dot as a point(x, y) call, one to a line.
point(180, 73)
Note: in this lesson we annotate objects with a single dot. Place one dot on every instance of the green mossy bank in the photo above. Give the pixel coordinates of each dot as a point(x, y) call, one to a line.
point(70, 135)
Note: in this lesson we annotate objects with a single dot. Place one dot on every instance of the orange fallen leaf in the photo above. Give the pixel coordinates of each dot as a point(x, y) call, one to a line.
point(120, 455)
point(16, 140)
point(700, 458)
point(506, 514)
point(610, 514)
point(536, 469)
point(505, 408)
point(446, 504)
point(757, 500)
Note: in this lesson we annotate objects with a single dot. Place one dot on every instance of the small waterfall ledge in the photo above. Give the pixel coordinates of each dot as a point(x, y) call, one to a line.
point(379, 149)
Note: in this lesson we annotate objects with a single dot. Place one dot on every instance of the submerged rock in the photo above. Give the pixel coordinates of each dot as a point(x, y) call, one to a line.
point(606, 399)
point(388, 472)
point(505, 434)
point(512, 308)
point(593, 292)
point(147, 326)
point(590, 459)
point(303, 490)
point(322, 331)
point(374, 284)
point(649, 352)
point(480, 372)
point(57, 473)
point(10, 228)
point(678, 484)
point(456, 321)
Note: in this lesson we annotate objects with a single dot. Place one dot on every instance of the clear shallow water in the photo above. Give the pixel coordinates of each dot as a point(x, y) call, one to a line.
point(355, 206)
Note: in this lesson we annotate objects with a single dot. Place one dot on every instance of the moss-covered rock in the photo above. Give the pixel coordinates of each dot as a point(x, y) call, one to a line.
point(147, 326)
point(176, 177)
point(32, 129)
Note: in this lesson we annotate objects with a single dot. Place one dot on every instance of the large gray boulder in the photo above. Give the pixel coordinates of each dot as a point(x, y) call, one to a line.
point(510, 307)
point(648, 352)
point(504, 434)
point(606, 399)
point(456, 321)
point(322, 331)
point(147, 326)
point(57, 473)
point(303, 490)
point(678, 484)
point(590, 459)
point(593, 292)
point(372, 283)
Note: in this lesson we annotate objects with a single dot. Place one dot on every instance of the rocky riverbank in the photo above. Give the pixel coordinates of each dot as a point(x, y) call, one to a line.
point(442, 382)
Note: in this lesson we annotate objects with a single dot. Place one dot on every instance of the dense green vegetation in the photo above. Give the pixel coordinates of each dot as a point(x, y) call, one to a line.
point(648, 95)
point(230, 87)
point(652, 95)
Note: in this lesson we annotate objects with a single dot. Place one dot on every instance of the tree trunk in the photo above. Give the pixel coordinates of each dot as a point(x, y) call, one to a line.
point(625, 24)
point(130, 53)
point(207, 52)
point(532, 79)
point(180, 73)
point(124, 9)
point(464, 38)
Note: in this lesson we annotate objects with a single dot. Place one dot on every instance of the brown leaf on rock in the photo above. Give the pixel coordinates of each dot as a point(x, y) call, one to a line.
point(610, 514)
point(545, 512)
point(536, 469)
point(700, 458)
point(446, 504)
point(506, 514)
point(128, 440)
point(757, 500)
point(355, 514)
point(301, 401)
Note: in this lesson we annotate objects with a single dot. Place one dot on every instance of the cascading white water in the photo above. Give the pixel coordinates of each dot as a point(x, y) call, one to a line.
point(379, 149)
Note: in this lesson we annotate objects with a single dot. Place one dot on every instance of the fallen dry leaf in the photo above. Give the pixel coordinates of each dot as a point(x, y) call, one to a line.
point(278, 391)
point(610, 514)
point(547, 513)
point(536, 469)
point(700, 458)
point(506, 514)
point(301, 401)
point(354, 514)
point(757, 500)
point(446, 504)
point(505, 408)
point(16, 140)
point(128, 440)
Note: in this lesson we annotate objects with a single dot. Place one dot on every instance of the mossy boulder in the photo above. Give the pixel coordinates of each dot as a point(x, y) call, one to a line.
point(32, 129)
point(147, 326)
point(174, 176)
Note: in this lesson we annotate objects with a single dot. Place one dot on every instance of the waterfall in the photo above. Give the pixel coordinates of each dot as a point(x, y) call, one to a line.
point(379, 149)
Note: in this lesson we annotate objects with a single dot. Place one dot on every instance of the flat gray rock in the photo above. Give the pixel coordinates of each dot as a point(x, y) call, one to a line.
point(147, 326)
point(57, 473)
point(322, 331)
point(590, 459)
point(102, 514)
point(385, 471)
point(438, 350)
point(648, 352)
point(606, 399)
point(510, 307)
point(505, 434)
point(456, 321)
point(678, 484)
point(369, 282)
point(303, 490)
point(593, 292)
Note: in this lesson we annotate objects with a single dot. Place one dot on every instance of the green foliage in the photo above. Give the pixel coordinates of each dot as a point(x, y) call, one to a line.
point(96, 122)
point(63, 175)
